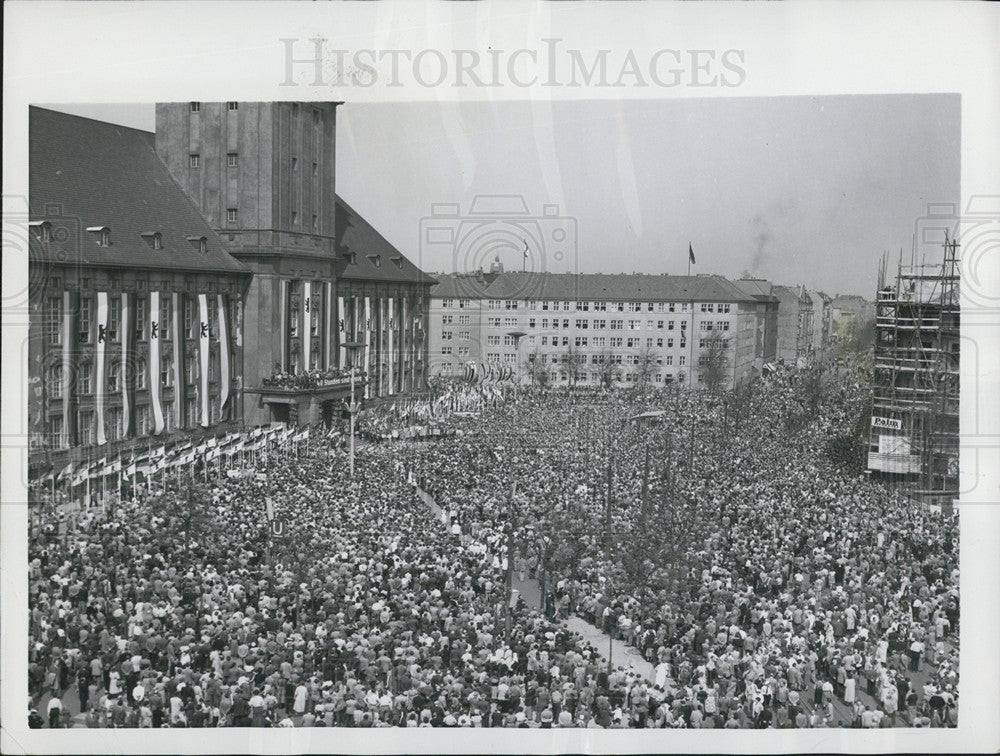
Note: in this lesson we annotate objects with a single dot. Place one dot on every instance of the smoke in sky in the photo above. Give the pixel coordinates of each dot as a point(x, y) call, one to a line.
point(761, 240)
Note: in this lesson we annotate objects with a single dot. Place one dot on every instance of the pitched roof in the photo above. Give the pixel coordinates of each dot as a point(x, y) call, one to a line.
point(758, 288)
point(596, 286)
point(374, 258)
point(848, 301)
point(91, 174)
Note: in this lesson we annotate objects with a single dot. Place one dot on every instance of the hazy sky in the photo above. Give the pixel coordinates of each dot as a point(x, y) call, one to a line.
point(806, 190)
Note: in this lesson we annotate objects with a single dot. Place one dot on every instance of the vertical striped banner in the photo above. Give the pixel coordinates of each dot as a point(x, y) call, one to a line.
point(380, 332)
point(223, 353)
point(179, 346)
point(391, 306)
point(127, 359)
point(341, 334)
point(203, 346)
point(283, 323)
point(154, 363)
point(67, 366)
point(404, 351)
point(327, 330)
point(102, 324)
point(366, 324)
point(306, 315)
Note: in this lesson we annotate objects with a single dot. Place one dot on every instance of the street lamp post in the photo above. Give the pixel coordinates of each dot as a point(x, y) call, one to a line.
point(351, 347)
point(518, 335)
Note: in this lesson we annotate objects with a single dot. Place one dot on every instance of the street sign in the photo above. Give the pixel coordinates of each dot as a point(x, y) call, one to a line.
point(278, 527)
point(887, 422)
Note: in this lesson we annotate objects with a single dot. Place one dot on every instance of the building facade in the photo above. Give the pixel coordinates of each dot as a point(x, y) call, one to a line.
point(135, 303)
point(795, 324)
point(263, 174)
point(822, 325)
point(204, 279)
point(595, 329)
point(915, 407)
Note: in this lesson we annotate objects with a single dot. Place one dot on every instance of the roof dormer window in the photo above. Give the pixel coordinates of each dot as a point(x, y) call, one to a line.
point(199, 242)
point(351, 258)
point(376, 260)
point(42, 230)
point(153, 238)
point(102, 235)
point(398, 262)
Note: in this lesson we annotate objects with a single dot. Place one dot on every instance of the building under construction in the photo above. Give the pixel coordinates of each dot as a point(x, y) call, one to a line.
point(914, 425)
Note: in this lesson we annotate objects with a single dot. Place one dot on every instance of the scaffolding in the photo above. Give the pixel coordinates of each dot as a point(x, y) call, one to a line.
point(915, 399)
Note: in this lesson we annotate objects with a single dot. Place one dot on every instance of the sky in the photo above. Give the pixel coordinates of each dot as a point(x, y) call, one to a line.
point(798, 190)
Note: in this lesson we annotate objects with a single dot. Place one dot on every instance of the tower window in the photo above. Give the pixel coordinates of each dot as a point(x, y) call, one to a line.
point(232, 159)
point(315, 169)
point(195, 107)
point(295, 218)
point(315, 116)
point(315, 223)
point(295, 109)
point(233, 105)
point(194, 160)
point(232, 215)
point(295, 164)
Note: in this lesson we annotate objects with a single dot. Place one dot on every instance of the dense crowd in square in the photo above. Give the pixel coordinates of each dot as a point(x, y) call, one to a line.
point(802, 592)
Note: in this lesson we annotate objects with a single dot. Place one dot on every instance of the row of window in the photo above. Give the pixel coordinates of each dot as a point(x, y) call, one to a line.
point(114, 428)
point(233, 161)
point(317, 115)
point(111, 332)
point(196, 106)
point(462, 319)
point(600, 359)
point(602, 325)
point(614, 341)
point(586, 306)
point(102, 235)
point(84, 375)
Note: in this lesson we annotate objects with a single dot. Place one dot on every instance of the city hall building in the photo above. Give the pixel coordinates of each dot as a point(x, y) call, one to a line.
point(654, 329)
point(204, 279)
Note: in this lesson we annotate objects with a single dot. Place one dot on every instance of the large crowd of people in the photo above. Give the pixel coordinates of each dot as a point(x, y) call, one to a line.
point(778, 591)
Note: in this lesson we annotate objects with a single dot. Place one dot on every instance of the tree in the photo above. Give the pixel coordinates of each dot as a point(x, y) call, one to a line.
point(646, 365)
point(659, 543)
point(811, 386)
point(572, 360)
point(608, 371)
point(857, 338)
point(715, 362)
point(537, 370)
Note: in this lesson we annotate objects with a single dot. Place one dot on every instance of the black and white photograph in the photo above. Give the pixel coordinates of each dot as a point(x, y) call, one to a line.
point(603, 412)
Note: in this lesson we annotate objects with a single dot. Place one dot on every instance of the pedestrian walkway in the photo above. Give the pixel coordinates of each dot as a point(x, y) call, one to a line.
point(622, 654)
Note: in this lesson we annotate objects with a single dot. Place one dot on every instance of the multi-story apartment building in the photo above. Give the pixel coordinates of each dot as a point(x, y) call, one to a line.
point(795, 324)
point(822, 324)
point(845, 309)
point(654, 329)
point(263, 174)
